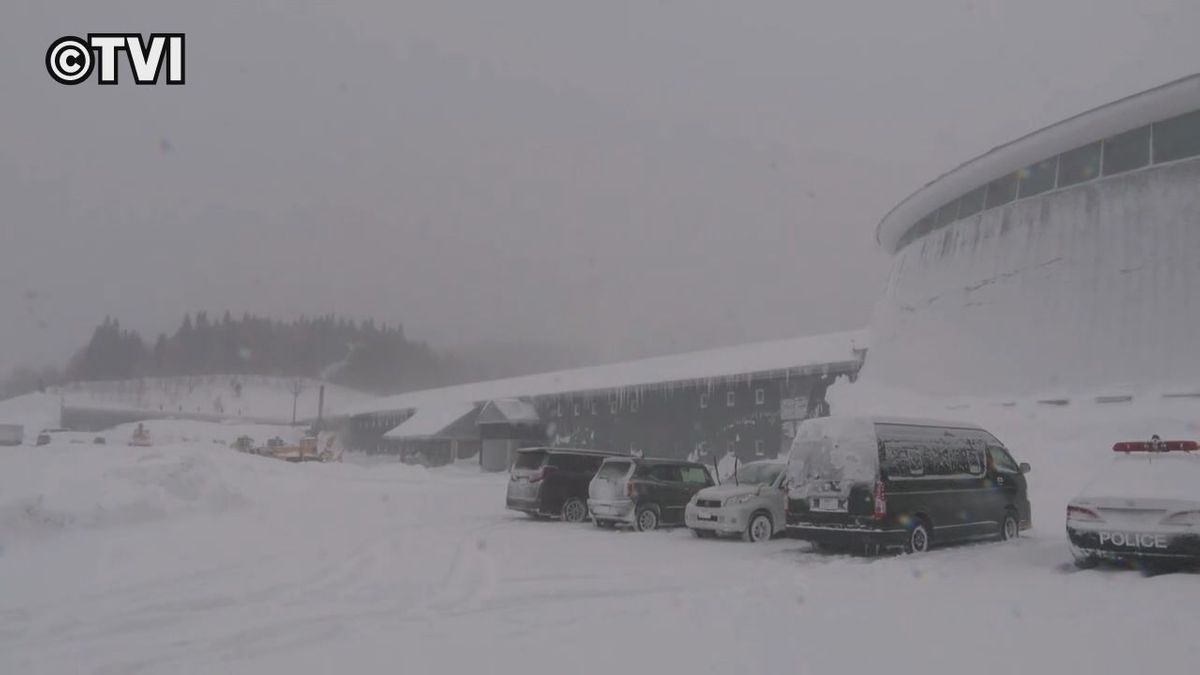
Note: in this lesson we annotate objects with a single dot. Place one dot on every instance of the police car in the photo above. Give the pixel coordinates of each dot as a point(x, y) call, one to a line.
point(1143, 507)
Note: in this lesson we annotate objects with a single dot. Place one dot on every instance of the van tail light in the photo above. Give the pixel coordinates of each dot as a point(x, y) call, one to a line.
point(1080, 514)
point(880, 501)
point(629, 489)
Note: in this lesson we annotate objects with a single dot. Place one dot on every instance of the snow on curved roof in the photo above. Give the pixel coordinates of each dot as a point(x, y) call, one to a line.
point(806, 352)
point(1131, 112)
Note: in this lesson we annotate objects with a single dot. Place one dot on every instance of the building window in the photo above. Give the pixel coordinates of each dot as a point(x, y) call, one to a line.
point(945, 215)
point(1037, 178)
point(704, 400)
point(972, 202)
point(577, 410)
point(729, 398)
point(558, 410)
point(1079, 165)
point(758, 449)
point(612, 405)
point(924, 226)
point(1001, 191)
point(1177, 138)
point(595, 408)
point(760, 396)
point(633, 403)
point(1127, 151)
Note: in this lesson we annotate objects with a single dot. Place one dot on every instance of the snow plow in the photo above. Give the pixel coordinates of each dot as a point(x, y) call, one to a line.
point(307, 450)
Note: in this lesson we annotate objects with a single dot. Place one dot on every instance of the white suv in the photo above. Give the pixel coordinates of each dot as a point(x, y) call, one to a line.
point(752, 505)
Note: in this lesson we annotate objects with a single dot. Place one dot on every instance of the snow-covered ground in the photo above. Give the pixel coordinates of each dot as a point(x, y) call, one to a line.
point(188, 557)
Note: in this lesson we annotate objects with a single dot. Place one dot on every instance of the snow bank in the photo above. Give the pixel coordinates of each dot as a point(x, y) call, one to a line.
point(32, 411)
point(54, 489)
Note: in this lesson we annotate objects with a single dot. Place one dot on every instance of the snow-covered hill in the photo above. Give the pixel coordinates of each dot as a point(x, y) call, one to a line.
point(233, 396)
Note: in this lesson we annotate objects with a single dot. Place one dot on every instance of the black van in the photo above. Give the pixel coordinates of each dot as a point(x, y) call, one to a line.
point(872, 483)
point(553, 482)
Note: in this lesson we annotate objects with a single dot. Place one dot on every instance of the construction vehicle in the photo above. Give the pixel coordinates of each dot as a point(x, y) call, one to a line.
point(306, 450)
point(141, 437)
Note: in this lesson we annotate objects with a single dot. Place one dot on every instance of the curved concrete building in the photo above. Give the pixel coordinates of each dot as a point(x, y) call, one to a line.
point(1066, 259)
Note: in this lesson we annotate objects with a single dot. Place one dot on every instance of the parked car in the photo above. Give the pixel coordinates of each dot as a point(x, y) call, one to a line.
point(553, 482)
point(750, 504)
point(644, 493)
point(876, 483)
point(1144, 506)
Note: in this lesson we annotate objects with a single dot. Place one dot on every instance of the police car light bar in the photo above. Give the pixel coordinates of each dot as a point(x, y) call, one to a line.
point(1156, 446)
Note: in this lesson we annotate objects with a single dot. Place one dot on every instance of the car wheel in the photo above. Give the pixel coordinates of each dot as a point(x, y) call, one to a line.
point(919, 538)
point(574, 510)
point(647, 519)
point(1009, 527)
point(759, 529)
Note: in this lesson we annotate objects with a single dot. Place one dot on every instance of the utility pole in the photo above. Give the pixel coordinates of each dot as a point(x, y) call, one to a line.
point(297, 387)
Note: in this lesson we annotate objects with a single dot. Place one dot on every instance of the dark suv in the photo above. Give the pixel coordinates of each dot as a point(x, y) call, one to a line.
point(644, 493)
point(553, 482)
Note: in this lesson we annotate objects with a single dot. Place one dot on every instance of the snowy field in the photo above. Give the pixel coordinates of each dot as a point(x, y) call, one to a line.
point(191, 558)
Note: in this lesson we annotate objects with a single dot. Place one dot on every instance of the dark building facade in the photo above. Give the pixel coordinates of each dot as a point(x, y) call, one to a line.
point(752, 416)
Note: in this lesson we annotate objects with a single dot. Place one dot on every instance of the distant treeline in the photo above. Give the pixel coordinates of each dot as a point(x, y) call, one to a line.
point(361, 355)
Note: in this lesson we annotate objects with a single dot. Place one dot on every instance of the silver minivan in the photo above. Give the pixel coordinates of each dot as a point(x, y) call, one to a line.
point(750, 504)
point(645, 493)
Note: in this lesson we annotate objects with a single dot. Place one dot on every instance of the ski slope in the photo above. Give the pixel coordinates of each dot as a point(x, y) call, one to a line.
point(188, 557)
point(231, 396)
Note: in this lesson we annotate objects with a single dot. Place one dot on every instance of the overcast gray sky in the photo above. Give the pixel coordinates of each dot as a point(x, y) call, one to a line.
point(627, 177)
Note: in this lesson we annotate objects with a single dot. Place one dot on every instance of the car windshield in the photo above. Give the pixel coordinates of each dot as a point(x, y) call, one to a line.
point(759, 473)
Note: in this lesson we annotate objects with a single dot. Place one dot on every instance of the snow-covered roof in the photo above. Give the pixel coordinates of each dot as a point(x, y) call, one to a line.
point(430, 420)
point(796, 353)
point(508, 410)
point(1131, 112)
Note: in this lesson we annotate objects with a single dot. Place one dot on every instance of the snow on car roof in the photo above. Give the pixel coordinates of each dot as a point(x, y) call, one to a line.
point(805, 352)
point(1143, 475)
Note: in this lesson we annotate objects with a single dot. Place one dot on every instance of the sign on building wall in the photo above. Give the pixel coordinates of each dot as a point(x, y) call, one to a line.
point(793, 409)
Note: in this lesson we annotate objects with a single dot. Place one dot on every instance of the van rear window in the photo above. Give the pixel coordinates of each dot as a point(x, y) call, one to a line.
point(530, 460)
point(613, 470)
point(833, 450)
